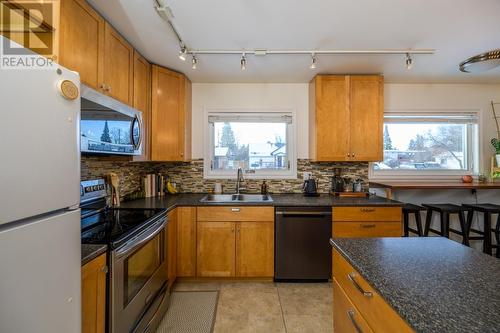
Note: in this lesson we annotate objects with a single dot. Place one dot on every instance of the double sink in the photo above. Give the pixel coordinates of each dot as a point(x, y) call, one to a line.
point(235, 198)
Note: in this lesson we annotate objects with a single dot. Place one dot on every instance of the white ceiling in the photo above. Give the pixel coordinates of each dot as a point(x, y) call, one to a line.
point(457, 29)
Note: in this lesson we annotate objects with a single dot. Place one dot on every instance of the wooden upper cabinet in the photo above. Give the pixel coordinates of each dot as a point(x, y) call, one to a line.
point(118, 66)
point(82, 41)
point(367, 116)
point(329, 118)
point(142, 101)
point(170, 116)
point(346, 118)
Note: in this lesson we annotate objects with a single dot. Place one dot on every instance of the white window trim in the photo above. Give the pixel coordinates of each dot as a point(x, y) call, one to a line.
point(475, 163)
point(291, 173)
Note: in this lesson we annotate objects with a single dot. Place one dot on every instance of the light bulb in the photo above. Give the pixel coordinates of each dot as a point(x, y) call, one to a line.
point(183, 53)
point(194, 62)
point(408, 61)
point(243, 62)
point(313, 61)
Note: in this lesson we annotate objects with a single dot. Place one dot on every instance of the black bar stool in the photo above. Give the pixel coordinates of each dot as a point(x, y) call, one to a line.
point(487, 210)
point(408, 209)
point(445, 210)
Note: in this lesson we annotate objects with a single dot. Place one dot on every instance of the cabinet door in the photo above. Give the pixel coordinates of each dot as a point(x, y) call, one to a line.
point(171, 116)
point(82, 41)
point(172, 247)
point(367, 112)
point(329, 118)
point(255, 249)
point(346, 317)
point(94, 295)
point(118, 66)
point(186, 241)
point(216, 249)
point(142, 101)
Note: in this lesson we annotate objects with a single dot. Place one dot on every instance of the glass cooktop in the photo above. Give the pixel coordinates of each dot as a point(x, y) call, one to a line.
point(112, 226)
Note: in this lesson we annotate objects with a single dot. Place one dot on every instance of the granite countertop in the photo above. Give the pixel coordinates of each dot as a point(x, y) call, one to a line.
point(91, 251)
point(435, 284)
point(279, 200)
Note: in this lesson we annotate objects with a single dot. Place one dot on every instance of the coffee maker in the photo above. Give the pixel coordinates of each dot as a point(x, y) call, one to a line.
point(338, 183)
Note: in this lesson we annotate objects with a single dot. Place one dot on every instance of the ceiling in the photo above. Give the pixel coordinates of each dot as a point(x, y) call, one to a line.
point(457, 29)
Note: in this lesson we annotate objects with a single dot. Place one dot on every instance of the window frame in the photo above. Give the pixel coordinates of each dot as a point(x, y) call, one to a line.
point(291, 132)
point(473, 149)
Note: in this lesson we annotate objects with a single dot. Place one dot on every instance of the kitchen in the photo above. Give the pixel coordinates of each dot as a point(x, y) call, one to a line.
point(198, 182)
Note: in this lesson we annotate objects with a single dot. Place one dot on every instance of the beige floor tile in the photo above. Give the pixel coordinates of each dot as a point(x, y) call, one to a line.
point(308, 323)
point(248, 307)
point(306, 299)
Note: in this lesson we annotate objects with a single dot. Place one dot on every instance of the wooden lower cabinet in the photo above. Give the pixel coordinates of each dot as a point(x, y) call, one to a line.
point(367, 229)
point(346, 318)
point(255, 249)
point(172, 247)
point(94, 295)
point(349, 289)
point(216, 249)
point(186, 241)
point(367, 222)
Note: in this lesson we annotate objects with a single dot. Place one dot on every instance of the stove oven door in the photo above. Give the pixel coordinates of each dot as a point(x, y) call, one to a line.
point(138, 273)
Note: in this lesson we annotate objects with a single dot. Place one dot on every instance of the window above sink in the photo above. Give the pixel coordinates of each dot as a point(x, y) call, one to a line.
point(261, 143)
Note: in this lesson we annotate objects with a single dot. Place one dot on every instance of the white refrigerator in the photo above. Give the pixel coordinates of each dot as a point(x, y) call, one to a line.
point(40, 288)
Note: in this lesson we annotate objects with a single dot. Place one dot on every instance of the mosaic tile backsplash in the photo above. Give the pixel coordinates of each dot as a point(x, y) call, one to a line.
point(189, 175)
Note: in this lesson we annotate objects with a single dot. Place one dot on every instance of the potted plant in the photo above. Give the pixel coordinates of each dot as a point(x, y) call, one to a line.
point(496, 144)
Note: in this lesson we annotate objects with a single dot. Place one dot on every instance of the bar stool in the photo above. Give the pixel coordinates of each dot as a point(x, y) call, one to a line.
point(408, 209)
point(487, 210)
point(445, 210)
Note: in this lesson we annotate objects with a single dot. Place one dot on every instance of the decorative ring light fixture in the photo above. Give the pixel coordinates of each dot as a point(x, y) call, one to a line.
point(481, 62)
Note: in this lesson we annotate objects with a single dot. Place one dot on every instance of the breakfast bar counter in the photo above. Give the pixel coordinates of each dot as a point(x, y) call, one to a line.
point(390, 186)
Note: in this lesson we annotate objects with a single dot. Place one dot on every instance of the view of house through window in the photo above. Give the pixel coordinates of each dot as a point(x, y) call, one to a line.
point(257, 144)
point(432, 143)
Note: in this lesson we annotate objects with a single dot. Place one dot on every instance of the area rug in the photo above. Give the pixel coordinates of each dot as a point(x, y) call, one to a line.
point(190, 312)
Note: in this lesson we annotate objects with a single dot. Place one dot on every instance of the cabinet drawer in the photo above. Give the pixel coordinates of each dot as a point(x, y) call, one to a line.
point(366, 214)
point(367, 229)
point(235, 213)
point(346, 318)
point(379, 315)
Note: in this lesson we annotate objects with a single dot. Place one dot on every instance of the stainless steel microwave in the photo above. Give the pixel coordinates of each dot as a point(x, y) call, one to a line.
point(108, 126)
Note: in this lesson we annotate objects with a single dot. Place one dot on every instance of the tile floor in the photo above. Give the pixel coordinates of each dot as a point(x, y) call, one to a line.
point(269, 307)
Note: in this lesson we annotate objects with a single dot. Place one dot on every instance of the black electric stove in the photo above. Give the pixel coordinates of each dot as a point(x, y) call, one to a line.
point(112, 226)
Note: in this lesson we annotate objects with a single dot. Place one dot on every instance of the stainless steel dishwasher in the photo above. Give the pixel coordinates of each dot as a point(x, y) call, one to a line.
point(302, 248)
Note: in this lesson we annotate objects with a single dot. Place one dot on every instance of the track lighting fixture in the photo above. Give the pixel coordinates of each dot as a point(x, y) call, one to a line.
point(408, 61)
point(313, 61)
point(243, 62)
point(183, 53)
point(194, 62)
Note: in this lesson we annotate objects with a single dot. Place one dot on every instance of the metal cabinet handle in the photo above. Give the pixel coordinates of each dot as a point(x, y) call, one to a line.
point(235, 210)
point(367, 210)
point(367, 226)
point(351, 277)
point(353, 155)
point(351, 314)
point(348, 154)
point(104, 269)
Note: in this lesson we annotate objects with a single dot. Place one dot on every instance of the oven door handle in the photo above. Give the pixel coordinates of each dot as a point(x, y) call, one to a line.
point(142, 238)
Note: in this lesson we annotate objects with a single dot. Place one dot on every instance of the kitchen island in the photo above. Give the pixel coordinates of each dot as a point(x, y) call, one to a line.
point(432, 284)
